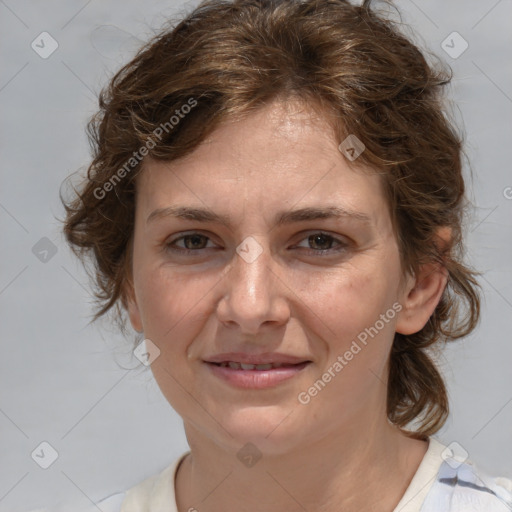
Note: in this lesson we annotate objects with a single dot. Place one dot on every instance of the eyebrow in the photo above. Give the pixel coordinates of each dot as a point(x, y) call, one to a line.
point(281, 218)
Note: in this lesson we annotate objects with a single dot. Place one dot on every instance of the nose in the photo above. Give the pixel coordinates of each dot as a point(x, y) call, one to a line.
point(253, 294)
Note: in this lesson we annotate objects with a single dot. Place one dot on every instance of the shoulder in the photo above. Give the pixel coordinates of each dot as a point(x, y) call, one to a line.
point(461, 486)
point(156, 492)
point(149, 494)
point(111, 503)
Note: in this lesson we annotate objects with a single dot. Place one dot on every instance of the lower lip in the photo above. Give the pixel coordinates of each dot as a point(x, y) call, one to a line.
point(256, 379)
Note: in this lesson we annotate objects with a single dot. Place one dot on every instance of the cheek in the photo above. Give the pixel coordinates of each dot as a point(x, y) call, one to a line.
point(353, 316)
point(349, 300)
point(170, 303)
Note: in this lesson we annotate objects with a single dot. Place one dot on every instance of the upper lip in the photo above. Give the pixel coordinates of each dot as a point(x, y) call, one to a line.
point(240, 357)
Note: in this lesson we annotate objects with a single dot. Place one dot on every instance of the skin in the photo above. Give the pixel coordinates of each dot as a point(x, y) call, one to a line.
point(338, 452)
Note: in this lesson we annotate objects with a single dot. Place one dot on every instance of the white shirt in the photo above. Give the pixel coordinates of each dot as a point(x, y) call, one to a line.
point(442, 483)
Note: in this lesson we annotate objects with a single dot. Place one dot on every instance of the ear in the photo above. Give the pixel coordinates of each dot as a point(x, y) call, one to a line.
point(132, 307)
point(129, 299)
point(422, 293)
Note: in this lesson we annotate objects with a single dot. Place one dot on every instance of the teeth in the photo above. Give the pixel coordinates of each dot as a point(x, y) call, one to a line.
point(246, 366)
point(267, 366)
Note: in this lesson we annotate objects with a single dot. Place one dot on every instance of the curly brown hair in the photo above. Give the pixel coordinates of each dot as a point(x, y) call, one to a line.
point(227, 59)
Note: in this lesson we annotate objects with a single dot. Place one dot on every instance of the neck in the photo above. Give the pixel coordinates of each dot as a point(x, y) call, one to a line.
point(348, 471)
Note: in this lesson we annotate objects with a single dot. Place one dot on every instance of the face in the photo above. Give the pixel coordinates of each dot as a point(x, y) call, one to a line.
point(266, 246)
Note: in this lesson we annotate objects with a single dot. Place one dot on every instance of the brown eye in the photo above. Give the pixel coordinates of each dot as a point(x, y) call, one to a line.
point(193, 242)
point(320, 241)
point(320, 244)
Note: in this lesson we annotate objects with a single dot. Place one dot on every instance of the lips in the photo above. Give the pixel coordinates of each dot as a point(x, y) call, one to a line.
point(275, 359)
point(246, 366)
point(256, 371)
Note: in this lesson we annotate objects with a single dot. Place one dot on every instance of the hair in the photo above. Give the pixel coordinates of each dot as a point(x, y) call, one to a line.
point(226, 59)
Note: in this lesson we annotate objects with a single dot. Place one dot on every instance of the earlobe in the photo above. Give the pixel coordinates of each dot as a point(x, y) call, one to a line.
point(133, 308)
point(129, 300)
point(422, 292)
point(421, 299)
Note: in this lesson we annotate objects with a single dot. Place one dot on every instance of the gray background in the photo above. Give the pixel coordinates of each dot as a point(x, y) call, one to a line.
point(77, 386)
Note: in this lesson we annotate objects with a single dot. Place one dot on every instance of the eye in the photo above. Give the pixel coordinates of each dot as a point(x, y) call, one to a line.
point(318, 243)
point(192, 242)
point(322, 243)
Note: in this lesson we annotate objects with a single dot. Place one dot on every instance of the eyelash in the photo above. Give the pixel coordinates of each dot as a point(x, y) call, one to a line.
point(341, 245)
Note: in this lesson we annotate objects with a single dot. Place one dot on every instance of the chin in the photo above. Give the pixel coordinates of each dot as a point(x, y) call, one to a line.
point(266, 427)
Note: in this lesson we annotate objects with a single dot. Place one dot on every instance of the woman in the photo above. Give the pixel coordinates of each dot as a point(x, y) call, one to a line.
point(275, 202)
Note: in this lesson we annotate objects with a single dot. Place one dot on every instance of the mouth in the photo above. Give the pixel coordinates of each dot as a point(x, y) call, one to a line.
point(255, 376)
point(235, 365)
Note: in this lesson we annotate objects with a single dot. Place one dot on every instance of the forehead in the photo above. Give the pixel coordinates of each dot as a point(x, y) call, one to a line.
point(281, 155)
